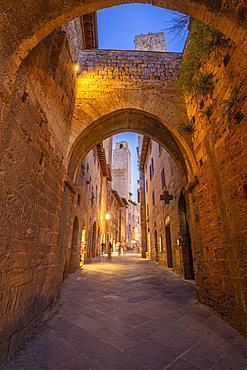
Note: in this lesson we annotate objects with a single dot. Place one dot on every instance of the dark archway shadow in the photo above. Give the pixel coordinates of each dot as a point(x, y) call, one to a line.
point(73, 261)
point(185, 238)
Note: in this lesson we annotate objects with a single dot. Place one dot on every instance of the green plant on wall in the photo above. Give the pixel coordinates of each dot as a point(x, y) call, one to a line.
point(227, 104)
point(202, 41)
point(186, 125)
point(205, 112)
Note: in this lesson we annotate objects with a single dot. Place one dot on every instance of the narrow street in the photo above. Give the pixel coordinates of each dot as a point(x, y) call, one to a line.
point(130, 314)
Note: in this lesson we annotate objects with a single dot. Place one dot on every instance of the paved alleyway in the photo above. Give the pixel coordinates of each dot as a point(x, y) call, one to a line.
point(130, 314)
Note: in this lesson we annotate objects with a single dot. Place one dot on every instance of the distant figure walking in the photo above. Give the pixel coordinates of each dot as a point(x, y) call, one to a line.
point(102, 251)
point(119, 249)
point(109, 251)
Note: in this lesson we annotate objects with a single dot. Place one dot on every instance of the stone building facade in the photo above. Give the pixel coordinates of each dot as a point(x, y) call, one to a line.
point(121, 176)
point(167, 230)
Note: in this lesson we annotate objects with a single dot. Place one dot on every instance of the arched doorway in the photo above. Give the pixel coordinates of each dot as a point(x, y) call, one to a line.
point(98, 243)
point(168, 246)
point(156, 246)
point(73, 261)
point(83, 244)
point(93, 245)
point(185, 238)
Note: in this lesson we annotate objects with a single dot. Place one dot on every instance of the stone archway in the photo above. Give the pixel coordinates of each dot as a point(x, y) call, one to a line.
point(35, 169)
point(136, 121)
point(25, 25)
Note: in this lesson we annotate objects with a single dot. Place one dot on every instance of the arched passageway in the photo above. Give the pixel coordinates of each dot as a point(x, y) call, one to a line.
point(156, 246)
point(38, 165)
point(136, 121)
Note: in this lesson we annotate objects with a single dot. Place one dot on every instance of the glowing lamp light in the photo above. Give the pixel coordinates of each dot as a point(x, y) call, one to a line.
point(76, 67)
point(107, 216)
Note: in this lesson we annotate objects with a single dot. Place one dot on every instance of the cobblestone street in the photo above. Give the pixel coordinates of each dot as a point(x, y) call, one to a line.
point(130, 314)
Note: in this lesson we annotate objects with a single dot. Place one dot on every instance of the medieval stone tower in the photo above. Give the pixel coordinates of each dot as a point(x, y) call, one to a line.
point(121, 169)
point(150, 42)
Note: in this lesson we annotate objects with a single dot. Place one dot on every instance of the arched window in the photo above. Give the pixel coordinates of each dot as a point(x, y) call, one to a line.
point(161, 244)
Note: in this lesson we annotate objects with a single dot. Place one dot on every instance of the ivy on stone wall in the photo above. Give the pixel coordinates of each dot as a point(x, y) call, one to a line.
point(227, 104)
point(201, 42)
point(186, 124)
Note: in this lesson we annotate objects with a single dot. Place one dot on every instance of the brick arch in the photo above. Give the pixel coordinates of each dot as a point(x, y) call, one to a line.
point(135, 121)
point(25, 25)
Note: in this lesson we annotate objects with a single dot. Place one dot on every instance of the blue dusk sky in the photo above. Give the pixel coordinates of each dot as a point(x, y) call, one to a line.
point(117, 28)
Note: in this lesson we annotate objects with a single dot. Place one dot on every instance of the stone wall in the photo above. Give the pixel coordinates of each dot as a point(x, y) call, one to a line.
point(34, 139)
point(218, 204)
point(120, 182)
point(34, 134)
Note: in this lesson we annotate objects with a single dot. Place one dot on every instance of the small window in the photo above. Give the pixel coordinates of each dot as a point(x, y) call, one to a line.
point(161, 244)
point(151, 168)
point(160, 148)
point(94, 154)
point(147, 212)
point(150, 147)
point(121, 146)
point(96, 194)
point(146, 185)
point(163, 180)
point(153, 198)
